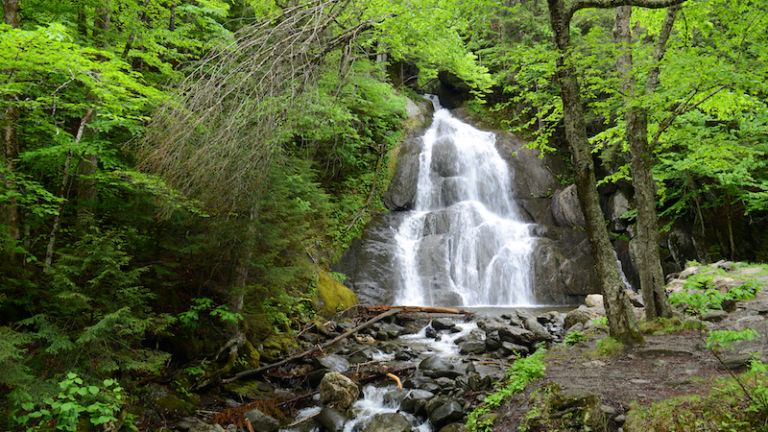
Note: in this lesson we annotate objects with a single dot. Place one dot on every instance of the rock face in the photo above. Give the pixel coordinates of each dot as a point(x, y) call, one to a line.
point(338, 391)
point(566, 208)
point(562, 260)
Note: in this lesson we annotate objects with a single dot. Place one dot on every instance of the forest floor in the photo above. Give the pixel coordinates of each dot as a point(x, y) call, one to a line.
point(667, 365)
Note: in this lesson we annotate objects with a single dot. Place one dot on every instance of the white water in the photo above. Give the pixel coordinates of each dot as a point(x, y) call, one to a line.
point(464, 243)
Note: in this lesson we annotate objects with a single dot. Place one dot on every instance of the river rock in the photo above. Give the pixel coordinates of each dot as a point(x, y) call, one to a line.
point(594, 300)
point(532, 324)
point(472, 347)
point(453, 427)
point(444, 324)
point(394, 398)
point(517, 335)
point(260, 421)
point(334, 363)
point(331, 419)
point(415, 400)
point(492, 341)
point(338, 391)
point(509, 348)
point(435, 367)
point(446, 413)
point(388, 422)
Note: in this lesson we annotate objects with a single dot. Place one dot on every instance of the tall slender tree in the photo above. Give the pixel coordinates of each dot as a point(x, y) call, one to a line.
point(646, 242)
point(621, 319)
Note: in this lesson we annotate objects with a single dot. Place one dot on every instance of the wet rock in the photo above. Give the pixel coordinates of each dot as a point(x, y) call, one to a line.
point(472, 347)
point(446, 384)
point(509, 348)
point(334, 363)
point(338, 391)
point(436, 367)
point(563, 267)
point(430, 332)
point(517, 335)
point(453, 427)
point(401, 193)
point(476, 382)
point(388, 422)
point(618, 206)
point(395, 397)
point(446, 413)
point(444, 324)
point(260, 421)
point(331, 419)
point(532, 324)
point(415, 401)
point(492, 341)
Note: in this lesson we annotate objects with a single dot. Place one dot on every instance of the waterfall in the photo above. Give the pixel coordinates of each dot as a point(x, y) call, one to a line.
point(464, 242)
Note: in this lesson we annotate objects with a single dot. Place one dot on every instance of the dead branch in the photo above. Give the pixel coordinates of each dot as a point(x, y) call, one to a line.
point(370, 322)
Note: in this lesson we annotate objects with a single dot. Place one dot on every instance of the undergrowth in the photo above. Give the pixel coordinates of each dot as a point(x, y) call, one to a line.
point(518, 376)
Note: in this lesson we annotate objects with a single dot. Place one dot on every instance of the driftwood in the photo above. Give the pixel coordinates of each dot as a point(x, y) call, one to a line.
point(426, 309)
point(251, 372)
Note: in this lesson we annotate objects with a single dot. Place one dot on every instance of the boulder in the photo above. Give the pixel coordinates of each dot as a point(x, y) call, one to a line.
point(472, 347)
point(594, 300)
point(509, 348)
point(581, 315)
point(566, 208)
point(334, 363)
point(517, 335)
point(446, 413)
point(563, 267)
point(331, 419)
point(436, 367)
point(260, 421)
point(332, 295)
point(444, 324)
point(388, 422)
point(453, 427)
point(338, 391)
point(415, 401)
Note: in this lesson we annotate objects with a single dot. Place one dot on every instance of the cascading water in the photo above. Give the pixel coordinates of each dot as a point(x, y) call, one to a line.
point(464, 242)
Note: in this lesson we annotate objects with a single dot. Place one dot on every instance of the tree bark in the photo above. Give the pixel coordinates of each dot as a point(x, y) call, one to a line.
point(621, 319)
point(64, 186)
point(648, 257)
point(11, 216)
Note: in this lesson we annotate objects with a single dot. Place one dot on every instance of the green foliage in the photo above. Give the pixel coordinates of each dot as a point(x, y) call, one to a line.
point(76, 400)
point(608, 347)
point(724, 339)
point(518, 376)
point(190, 317)
point(574, 337)
point(699, 296)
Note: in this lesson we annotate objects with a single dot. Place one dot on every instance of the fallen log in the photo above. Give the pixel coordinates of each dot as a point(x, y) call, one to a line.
point(411, 309)
point(302, 354)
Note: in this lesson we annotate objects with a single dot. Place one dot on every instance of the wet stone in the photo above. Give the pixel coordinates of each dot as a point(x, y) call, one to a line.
point(446, 413)
point(334, 363)
point(415, 400)
point(331, 419)
point(444, 324)
point(472, 347)
point(261, 421)
point(388, 422)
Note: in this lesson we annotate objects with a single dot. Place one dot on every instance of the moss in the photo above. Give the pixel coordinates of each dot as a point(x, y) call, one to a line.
point(275, 346)
point(250, 389)
point(553, 409)
point(332, 296)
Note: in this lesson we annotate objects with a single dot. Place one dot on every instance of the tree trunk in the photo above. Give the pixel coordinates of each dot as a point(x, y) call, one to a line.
point(64, 186)
point(621, 320)
point(87, 193)
point(10, 214)
point(648, 257)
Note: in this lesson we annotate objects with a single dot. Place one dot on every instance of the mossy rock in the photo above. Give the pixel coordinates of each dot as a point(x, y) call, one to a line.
point(332, 296)
point(250, 389)
point(274, 347)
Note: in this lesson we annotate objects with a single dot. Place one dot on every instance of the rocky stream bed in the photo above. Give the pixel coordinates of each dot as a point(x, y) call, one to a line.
point(418, 371)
